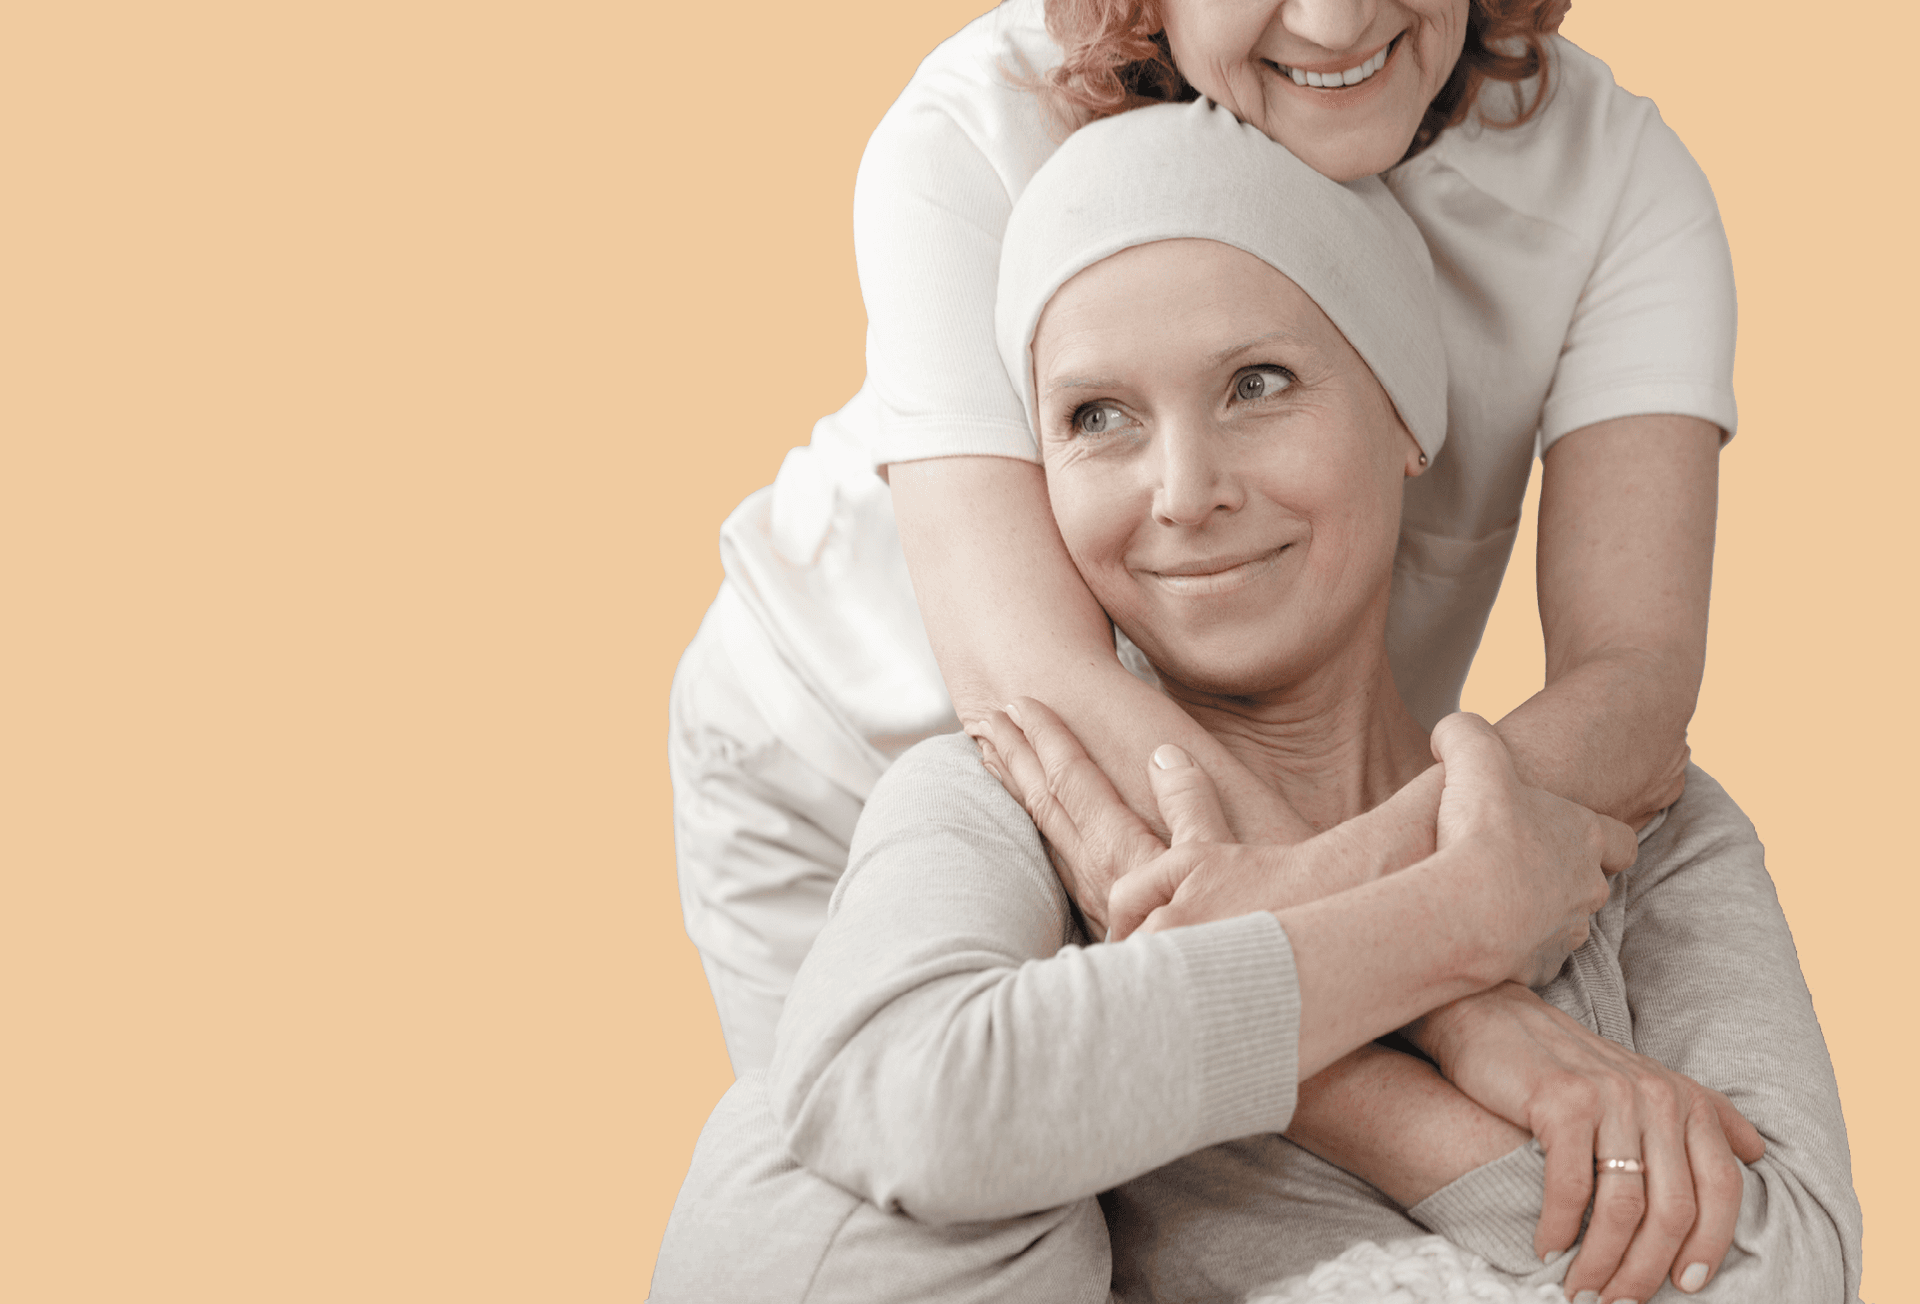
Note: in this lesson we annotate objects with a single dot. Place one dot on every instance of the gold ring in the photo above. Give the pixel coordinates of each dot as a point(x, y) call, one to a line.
point(1618, 1166)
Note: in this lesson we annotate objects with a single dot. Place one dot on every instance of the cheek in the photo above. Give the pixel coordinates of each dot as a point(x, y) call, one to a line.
point(1092, 508)
point(1443, 34)
point(1351, 492)
point(1214, 49)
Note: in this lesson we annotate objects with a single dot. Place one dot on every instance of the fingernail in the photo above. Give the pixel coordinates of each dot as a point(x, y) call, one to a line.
point(1169, 757)
point(1587, 1297)
point(1694, 1277)
point(1013, 714)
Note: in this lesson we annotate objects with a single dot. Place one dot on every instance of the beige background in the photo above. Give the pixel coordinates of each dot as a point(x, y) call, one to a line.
point(374, 378)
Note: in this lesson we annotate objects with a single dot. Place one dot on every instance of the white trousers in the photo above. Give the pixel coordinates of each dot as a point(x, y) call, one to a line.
point(760, 831)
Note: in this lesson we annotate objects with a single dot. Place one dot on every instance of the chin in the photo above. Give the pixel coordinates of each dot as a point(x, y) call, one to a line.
point(1341, 158)
point(1349, 149)
point(1224, 666)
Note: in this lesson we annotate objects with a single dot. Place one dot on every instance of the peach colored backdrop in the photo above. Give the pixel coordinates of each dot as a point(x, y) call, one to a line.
point(373, 380)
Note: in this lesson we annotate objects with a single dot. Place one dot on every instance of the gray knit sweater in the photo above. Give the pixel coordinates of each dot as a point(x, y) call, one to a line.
point(968, 1102)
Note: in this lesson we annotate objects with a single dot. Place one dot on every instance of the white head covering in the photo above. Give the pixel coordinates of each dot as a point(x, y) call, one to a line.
point(1193, 171)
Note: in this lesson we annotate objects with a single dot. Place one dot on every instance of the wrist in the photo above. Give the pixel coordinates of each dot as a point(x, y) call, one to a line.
point(1477, 955)
point(1391, 1121)
point(1439, 1033)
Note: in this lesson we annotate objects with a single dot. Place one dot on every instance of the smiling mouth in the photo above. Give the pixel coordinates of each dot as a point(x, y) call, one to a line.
point(1198, 583)
point(1340, 80)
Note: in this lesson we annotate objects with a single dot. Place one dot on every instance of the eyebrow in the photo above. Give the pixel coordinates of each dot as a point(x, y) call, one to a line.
point(1082, 382)
point(1288, 334)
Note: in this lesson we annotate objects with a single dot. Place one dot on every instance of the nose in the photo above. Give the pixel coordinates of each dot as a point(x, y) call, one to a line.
point(1329, 24)
point(1195, 481)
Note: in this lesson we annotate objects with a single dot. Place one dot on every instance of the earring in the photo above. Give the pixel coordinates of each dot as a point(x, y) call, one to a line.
point(1423, 459)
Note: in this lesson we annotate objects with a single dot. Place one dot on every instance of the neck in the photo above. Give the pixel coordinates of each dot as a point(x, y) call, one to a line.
point(1335, 743)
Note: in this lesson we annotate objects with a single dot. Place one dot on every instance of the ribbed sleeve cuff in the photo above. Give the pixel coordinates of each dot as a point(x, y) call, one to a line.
point(1246, 1034)
point(1492, 1210)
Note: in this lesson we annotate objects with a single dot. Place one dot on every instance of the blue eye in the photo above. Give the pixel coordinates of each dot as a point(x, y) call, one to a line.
point(1261, 382)
point(1098, 419)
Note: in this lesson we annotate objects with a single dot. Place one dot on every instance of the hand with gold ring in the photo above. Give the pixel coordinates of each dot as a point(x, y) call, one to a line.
point(1657, 1154)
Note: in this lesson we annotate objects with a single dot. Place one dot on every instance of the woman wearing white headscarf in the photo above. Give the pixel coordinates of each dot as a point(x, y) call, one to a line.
point(1228, 363)
point(1586, 304)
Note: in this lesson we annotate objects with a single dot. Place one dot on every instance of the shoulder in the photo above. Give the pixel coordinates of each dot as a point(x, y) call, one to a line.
point(1572, 160)
point(941, 781)
point(967, 103)
point(938, 802)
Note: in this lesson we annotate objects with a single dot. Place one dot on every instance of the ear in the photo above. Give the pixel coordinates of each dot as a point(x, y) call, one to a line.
point(1416, 461)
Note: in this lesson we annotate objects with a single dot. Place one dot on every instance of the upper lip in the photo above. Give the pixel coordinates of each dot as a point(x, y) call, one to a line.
point(1340, 64)
point(1211, 565)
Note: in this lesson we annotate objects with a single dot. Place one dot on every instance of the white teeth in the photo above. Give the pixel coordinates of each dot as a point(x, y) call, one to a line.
point(1351, 77)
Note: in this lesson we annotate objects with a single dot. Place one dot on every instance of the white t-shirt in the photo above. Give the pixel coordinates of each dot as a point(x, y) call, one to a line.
point(1584, 276)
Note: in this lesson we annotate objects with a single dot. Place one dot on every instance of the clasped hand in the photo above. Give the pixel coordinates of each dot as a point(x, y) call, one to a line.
point(1535, 873)
point(1530, 867)
point(1584, 1098)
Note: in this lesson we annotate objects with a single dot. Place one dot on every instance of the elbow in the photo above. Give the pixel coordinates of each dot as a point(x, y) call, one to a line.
point(1622, 723)
point(896, 1157)
point(1797, 1239)
point(935, 1182)
point(1662, 785)
point(901, 1143)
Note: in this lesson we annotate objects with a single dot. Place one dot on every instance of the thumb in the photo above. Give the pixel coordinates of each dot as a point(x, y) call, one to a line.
point(1188, 801)
point(1742, 1137)
point(1143, 891)
point(1472, 752)
point(1619, 848)
point(1477, 773)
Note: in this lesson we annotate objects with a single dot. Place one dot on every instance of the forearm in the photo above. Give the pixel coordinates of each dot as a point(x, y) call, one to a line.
point(1609, 732)
point(1009, 616)
point(1394, 1122)
point(1374, 958)
point(1627, 512)
point(942, 1055)
point(1390, 837)
point(1393, 835)
point(1011, 1082)
point(943, 1052)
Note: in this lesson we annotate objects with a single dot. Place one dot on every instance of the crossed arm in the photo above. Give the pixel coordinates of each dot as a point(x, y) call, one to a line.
point(944, 1052)
point(945, 1057)
point(1394, 1120)
point(1706, 962)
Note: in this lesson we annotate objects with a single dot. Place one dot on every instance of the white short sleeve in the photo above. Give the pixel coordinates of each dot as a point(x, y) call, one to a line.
point(929, 211)
point(1653, 330)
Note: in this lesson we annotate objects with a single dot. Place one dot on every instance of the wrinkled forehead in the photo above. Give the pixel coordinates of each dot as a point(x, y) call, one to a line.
point(1191, 173)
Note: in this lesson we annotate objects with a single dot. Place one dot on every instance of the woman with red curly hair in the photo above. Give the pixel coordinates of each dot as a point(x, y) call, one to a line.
point(903, 574)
